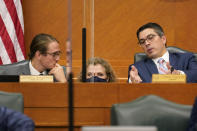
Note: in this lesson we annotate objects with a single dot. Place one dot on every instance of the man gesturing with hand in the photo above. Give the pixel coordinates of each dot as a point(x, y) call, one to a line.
point(152, 40)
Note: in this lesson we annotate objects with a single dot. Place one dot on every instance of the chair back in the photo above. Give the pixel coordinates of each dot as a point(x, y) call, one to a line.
point(152, 110)
point(12, 69)
point(12, 101)
point(171, 49)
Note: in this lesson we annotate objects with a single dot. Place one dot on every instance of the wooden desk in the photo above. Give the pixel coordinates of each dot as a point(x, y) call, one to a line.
point(47, 104)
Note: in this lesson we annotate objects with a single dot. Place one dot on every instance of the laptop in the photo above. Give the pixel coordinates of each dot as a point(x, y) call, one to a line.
point(119, 128)
point(9, 78)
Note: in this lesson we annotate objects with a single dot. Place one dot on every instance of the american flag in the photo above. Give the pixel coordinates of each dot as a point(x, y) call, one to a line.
point(12, 47)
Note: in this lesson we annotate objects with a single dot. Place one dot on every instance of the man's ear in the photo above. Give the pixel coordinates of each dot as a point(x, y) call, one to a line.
point(164, 39)
point(38, 54)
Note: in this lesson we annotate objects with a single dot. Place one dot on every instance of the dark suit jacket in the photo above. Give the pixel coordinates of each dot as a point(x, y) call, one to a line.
point(19, 68)
point(180, 61)
point(193, 118)
point(11, 120)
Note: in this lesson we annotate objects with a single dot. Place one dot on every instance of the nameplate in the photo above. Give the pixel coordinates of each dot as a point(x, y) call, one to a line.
point(171, 78)
point(34, 78)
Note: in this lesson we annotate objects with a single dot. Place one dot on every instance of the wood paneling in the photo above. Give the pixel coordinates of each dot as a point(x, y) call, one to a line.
point(115, 25)
point(47, 103)
point(171, 92)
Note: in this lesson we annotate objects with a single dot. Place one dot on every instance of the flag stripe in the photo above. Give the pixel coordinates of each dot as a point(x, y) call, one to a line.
point(11, 31)
point(3, 53)
point(1, 61)
point(7, 42)
point(19, 32)
point(20, 13)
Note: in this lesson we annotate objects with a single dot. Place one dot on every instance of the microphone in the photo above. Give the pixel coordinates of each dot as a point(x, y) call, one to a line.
point(171, 69)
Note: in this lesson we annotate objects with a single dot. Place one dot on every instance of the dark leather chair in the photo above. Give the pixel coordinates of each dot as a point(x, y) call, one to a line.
point(172, 49)
point(152, 110)
point(12, 101)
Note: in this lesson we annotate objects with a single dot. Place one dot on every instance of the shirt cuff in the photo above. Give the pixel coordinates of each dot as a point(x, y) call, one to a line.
point(181, 72)
point(130, 80)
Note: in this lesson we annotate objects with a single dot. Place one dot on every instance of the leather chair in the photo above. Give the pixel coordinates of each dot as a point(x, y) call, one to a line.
point(171, 49)
point(12, 101)
point(153, 111)
point(11, 67)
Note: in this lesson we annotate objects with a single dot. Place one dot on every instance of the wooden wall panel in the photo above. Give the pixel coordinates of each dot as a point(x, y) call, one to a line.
point(185, 23)
point(92, 102)
point(115, 25)
point(170, 92)
point(45, 17)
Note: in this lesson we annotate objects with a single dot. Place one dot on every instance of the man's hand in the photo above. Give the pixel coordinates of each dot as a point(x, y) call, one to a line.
point(134, 77)
point(58, 72)
point(171, 70)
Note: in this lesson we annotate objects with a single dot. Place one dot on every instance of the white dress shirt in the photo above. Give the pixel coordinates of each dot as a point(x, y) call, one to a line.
point(166, 58)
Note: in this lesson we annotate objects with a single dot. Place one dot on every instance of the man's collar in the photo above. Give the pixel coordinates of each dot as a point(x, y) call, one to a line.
point(33, 71)
point(165, 57)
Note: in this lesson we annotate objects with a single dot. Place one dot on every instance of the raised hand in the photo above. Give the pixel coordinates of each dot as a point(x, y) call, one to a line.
point(58, 73)
point(134, 77)
point(171, 70)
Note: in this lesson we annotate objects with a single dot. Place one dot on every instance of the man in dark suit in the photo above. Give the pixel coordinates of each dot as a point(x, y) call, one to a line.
point(44, 55)
point(193, 117)
point(153, 41)
point(11, 120)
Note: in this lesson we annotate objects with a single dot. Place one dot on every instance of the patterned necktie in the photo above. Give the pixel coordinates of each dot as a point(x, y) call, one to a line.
point(162, 66)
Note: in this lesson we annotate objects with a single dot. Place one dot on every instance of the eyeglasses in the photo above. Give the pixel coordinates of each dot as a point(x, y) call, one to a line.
point(149, 38)
point(55, 54)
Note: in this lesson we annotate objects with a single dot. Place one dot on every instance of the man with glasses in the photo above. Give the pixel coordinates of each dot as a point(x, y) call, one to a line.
point(44, 55)
point(153, 41)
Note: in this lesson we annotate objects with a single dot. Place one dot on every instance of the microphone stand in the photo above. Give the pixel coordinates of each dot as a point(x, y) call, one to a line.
point(84, 54)
point(70, 102)
point(69, 70)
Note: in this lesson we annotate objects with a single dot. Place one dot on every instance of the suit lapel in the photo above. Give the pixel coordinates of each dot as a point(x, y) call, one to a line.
point(172, 60)
point(150, 65)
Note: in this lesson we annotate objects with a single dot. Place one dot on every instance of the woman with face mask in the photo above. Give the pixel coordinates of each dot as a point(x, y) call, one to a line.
point(98, 70)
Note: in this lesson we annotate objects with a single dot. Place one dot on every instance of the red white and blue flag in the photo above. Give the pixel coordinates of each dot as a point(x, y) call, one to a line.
point(12, 47)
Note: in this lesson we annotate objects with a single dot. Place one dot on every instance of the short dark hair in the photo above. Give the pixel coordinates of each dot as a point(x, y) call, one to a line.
point(157, 28)
point(40, 43)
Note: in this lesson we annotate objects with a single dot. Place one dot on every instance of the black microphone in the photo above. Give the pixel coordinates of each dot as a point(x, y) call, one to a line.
point(171, 69)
